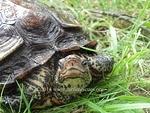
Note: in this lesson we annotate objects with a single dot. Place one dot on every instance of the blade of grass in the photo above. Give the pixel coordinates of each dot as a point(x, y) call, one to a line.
point(95, 107)
point(21, 88)
point(121, 107)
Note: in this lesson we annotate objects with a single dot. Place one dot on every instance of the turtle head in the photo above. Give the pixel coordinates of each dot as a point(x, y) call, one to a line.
point(73, 74)
point(76, 72)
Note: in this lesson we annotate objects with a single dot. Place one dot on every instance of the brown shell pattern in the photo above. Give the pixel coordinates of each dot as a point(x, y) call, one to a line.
point(31, 35)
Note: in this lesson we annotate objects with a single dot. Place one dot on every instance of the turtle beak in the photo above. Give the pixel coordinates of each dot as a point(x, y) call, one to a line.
point(72, 67)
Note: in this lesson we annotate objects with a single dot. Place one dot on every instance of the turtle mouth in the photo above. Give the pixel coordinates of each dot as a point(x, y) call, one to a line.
point(72, 72)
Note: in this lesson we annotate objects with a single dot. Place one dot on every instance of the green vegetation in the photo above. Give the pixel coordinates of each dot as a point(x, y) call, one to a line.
point(127, 88)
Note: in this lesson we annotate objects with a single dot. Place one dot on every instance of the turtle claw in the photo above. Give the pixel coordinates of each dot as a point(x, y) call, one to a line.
point(13, 101)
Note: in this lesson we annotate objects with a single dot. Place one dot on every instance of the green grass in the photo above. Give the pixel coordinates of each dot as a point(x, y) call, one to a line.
point(127, 88)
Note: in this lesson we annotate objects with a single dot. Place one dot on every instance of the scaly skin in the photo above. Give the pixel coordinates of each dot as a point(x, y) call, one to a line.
point(74, 73)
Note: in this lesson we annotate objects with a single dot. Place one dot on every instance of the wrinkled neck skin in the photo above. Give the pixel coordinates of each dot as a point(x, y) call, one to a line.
point(65, 94)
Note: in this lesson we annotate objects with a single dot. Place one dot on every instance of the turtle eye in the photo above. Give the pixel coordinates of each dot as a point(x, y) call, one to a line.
point(85, 63)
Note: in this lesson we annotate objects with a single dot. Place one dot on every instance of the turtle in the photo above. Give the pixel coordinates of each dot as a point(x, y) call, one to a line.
point(42, 50)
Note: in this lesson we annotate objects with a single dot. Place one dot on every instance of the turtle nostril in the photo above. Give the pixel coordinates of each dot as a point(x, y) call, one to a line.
point(72, 64)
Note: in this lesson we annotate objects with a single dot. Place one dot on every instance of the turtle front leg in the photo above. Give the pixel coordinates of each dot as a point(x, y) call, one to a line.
point(38, 86)
point(100, 66)
point(13, 101)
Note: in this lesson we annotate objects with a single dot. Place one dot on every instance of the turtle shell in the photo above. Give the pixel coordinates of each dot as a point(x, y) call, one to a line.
point(30, 35)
